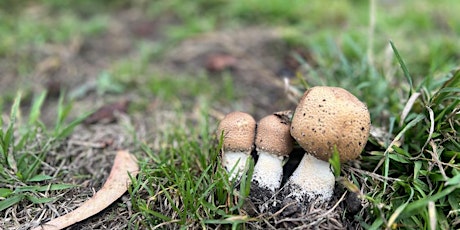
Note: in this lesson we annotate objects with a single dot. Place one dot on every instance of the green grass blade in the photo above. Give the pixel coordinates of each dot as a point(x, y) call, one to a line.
point(5, 192)
point(335, 162)
point(403, 67)
point(8, 137)
point(68, 129)
point(62, 112)
point(451, 86)
point(8, 202)
point(169, 198)
point(454, 180)
point(396, 214)
point(43, 188)
point(400, 209)
point(419, 205)
point(411, 124)
point(29, 163)
point(34, 114)
point(156, 214)
point(40, 200)
point(39, 178)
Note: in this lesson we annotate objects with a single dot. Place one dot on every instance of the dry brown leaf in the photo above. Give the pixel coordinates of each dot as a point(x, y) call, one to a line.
point(114, 188)
point(220, 62)
point(107, 113)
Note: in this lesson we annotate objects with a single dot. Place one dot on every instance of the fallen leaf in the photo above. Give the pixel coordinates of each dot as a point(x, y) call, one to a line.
point(220, 62)
point(115, 186)
point(144, 29)
point(107, 113)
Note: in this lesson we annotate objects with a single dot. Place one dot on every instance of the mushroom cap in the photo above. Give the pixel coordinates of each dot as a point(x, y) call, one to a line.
point(328, 117)
point(238, 132)
point(273, 134)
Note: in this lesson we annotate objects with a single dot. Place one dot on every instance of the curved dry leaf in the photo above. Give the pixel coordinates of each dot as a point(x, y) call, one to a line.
point(107, 113)
point(115, 186)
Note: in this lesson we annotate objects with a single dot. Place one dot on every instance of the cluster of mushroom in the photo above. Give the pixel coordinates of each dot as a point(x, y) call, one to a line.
point(325, 119)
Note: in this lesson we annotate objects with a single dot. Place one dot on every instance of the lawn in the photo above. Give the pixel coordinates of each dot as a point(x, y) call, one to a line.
point(81, 80)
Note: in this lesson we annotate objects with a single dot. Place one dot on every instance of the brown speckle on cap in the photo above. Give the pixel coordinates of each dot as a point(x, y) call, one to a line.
point(344, 120)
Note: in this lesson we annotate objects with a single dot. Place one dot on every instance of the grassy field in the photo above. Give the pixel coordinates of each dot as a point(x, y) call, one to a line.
point(60, 61)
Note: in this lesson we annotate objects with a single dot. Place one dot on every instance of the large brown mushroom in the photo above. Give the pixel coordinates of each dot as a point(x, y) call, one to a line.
point(326, 118)
point(238, 130)
point(273, 142)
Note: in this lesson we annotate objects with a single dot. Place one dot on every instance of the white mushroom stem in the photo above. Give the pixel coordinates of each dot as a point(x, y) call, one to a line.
point(235, 163)
point(268, 171)
point(312, 180)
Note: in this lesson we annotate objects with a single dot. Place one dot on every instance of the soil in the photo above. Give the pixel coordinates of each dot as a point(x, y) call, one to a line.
point(87, 155)
point(288, 213)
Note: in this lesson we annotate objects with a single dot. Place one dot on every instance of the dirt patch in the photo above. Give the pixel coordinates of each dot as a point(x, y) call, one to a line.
point(282, 211)
point(286, 213)
point(259, 54)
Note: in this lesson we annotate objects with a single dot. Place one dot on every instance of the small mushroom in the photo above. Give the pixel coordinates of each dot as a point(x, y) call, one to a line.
point(238, 130)
point(326, 117)
point(273, 143)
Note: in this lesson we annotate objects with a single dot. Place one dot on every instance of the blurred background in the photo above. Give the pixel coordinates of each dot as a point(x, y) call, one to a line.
point(237, 53)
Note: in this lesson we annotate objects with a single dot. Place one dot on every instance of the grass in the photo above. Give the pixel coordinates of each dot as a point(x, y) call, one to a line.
point(408, 178)
point(184, 184)
point(37, 29)
point(422, 174)
point(23, 149)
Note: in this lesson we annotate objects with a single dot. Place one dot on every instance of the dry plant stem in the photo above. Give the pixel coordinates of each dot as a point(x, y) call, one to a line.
point(114, 188)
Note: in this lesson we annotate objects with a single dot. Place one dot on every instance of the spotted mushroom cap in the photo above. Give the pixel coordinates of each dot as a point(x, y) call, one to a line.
point(238, 132)
point(273, 134)
point(328, 117)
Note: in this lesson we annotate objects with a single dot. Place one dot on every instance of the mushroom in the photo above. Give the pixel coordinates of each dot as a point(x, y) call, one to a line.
point(273, 143)
point(238, 130)
point(326, 117)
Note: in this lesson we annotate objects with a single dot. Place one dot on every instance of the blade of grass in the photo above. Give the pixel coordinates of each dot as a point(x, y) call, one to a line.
point(40, 200)
point(68, 129)
point(43, 188)
point(403, 67)
point(34, 114)
point(10, 201)
point(411, 124)
point(156, 214)
point(62, 111)
point(8, 138)
point(39, 178)
point(400, 209)
point(452, 84)
point(29, 164)
point(417, 206)
point(5, 192)
point(335, 162)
